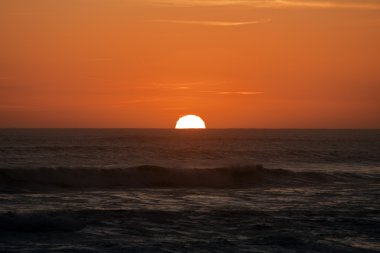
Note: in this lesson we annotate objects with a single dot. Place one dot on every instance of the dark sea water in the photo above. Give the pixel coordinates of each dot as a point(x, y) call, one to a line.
point(130, 190)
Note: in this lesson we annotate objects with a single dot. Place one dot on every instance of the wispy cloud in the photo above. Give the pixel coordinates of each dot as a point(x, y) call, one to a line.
point(348, 4)
point(234, 92)
point(327, 4)
point(201, 2)
point(182, 88)
point(174, 86)
point(213, 23)
point(240, 92)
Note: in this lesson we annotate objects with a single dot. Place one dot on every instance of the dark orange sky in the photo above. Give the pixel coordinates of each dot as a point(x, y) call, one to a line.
point(143, 63)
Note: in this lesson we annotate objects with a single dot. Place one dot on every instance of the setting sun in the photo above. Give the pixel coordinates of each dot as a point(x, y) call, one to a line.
point(190, 122)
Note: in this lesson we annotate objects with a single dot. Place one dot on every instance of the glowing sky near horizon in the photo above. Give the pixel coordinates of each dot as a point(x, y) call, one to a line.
point(242, 63)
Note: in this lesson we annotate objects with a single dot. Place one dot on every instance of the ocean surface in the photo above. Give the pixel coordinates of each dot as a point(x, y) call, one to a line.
point(157, 190)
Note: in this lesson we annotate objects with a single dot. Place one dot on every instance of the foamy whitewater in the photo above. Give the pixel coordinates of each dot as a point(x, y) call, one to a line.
point(130, 190)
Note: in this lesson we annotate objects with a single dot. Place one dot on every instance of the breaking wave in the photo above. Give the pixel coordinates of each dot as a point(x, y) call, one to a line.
point(148, 176)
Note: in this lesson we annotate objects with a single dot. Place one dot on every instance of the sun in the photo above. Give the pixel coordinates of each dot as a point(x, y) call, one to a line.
point(190, 122)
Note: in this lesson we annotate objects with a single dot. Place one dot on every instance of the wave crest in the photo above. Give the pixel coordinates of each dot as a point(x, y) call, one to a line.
point(149, 176)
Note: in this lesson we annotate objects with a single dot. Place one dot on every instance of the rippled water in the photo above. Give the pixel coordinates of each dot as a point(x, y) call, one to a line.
point(67, 191)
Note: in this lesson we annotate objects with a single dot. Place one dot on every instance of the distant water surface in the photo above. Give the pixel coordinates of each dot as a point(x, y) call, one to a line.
point(288, 149)
point(151, 190)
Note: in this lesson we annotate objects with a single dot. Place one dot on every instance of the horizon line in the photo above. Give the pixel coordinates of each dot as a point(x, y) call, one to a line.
point(167, 128)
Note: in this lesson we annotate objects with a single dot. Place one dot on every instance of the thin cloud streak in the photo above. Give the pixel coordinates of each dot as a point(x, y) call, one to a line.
point(235, 92)
point(332, 4)
point(182, 88)
point(240, 93)
point(213, 23)
point(327, 4)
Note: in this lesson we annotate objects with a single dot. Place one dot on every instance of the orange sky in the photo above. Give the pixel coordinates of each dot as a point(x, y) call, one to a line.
point(236, 63)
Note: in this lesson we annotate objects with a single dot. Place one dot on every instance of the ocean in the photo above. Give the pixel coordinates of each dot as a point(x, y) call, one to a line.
point(213, 190)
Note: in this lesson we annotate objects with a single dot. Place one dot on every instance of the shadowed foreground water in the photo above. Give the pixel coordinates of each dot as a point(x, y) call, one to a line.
point(308, 219)
point(86, 191)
